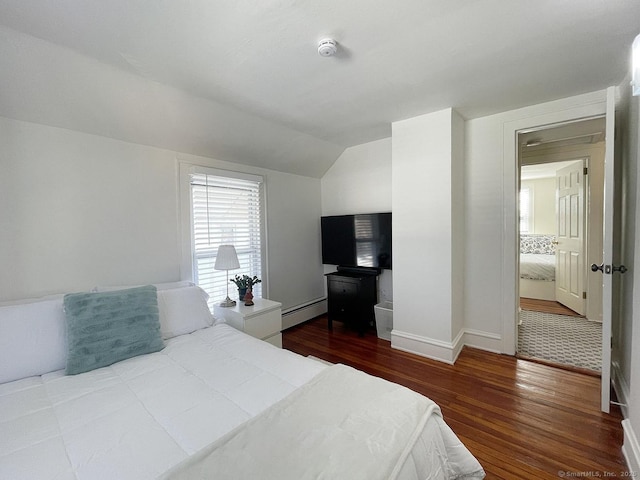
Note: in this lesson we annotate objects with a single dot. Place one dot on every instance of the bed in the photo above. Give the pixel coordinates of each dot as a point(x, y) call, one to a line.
point(537, 266)
point(207, 401)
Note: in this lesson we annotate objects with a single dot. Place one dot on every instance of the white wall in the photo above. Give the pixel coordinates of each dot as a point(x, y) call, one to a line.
point(543, 194)
point(627, 163)
point(458, 230)
point(490, 213)
point(629, 335)
point(294, 250)
point(483, 221)
point(78, 210)
point(360, 182)
point(428, 228)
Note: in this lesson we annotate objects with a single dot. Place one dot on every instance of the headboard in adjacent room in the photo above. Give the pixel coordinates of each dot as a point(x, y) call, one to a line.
point(538, 243)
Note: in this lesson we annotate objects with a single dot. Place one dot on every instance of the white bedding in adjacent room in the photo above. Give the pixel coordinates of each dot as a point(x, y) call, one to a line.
point(538, 266)
point(140, 417)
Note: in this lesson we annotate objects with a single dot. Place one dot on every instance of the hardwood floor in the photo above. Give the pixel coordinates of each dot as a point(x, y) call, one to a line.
point(546, 306)
point(522, 420)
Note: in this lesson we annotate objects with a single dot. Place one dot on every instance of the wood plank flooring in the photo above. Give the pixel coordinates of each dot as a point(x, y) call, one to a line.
point(546, 306)
point(522, 420)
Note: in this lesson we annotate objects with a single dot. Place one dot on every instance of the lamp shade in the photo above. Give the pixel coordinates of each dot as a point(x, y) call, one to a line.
point(227, 259)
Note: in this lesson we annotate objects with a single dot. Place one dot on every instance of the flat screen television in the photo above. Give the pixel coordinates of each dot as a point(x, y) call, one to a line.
point(362, 240)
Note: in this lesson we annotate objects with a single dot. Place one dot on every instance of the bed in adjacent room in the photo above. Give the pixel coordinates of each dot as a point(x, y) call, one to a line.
point(196, 399)
point(538, 266)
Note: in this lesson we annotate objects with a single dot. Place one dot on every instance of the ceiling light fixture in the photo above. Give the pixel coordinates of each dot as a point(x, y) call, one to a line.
point(327, 47)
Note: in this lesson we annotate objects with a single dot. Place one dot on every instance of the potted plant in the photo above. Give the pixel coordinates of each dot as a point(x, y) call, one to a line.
point(244, 282)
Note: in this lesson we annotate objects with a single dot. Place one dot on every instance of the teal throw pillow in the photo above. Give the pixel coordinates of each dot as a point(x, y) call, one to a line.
point(106, 327)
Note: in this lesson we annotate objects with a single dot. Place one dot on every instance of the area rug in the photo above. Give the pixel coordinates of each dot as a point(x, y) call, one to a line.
point(561, 339)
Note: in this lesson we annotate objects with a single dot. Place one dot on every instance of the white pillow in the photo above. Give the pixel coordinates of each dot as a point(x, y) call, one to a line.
point(159, 286)
point(183, 310)
point(22, 301)
point(32, 339)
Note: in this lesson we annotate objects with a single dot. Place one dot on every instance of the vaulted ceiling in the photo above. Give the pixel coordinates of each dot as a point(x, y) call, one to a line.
point(242, 80)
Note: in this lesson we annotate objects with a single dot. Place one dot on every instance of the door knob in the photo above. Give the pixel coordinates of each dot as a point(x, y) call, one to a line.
point(620, 269)
point(609, 269)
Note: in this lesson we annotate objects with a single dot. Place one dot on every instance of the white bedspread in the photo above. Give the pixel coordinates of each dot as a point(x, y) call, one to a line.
point(537, 266)
point(343, 424)
point(138, 418)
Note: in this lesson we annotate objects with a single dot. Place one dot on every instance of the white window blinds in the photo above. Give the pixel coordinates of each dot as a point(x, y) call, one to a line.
point(226, 211)
point(364, 240)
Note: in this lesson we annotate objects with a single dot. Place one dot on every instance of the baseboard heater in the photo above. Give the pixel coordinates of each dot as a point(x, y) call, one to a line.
point(301, 313)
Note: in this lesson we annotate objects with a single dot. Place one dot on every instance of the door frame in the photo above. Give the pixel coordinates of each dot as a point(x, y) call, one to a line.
point(510, 231)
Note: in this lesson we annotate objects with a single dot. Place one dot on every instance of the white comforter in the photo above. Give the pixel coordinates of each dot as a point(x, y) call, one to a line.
point(343, 424)
point(537, 266)
point(140, 417)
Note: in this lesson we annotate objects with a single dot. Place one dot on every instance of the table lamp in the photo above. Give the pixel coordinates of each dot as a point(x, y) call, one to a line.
point(227, 259)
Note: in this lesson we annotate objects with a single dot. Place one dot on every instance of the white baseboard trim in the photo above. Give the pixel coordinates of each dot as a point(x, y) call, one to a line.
point(457, 344)
point(631, 448)
point(622, 389)
point(491, 342)
point(442, 351)
point(302, 313)
point(446, 352)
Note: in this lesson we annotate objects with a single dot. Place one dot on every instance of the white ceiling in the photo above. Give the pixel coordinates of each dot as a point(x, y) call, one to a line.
point(242, 81)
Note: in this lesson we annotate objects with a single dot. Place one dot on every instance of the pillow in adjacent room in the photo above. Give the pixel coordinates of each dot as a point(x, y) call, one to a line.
point(106, 327)
point(183, 310)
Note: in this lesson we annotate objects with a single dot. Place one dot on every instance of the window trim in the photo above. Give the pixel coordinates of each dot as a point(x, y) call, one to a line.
point(185, 218)
point(530, 206)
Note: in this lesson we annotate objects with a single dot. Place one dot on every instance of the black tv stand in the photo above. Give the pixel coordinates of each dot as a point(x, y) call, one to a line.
point(352, 294)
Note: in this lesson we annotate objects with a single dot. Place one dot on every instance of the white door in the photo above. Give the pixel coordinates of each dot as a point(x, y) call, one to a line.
point(570, 248)
point(606, 268)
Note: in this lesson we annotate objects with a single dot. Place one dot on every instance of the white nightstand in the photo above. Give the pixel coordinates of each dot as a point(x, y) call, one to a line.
point(262, 320)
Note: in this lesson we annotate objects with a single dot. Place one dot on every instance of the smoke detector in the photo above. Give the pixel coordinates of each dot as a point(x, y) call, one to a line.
point(327, 47)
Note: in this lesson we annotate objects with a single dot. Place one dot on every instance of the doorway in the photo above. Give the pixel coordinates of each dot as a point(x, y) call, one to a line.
point(561, 178)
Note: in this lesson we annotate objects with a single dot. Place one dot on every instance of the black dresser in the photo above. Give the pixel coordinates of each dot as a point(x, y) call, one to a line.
point(352, 294)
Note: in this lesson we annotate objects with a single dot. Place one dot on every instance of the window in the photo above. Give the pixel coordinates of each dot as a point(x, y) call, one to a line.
point(225, 210)
point(525, 210)
point(364, 240)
